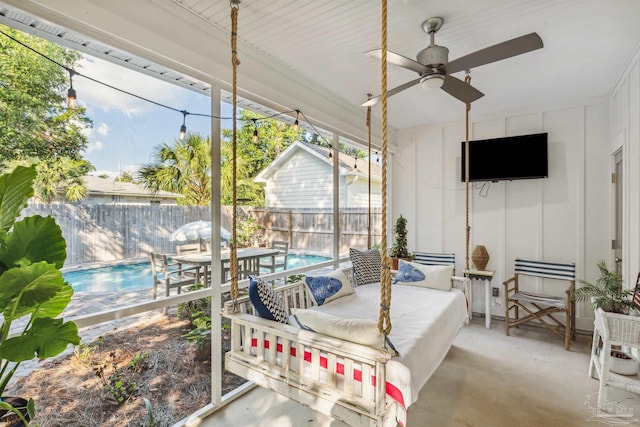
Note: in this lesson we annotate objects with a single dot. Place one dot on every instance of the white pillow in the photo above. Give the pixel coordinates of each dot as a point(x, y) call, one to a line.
point(329, 287)
point(435, 276)
point(360, 331)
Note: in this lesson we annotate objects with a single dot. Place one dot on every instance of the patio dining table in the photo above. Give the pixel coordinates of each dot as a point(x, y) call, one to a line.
point(247, 262)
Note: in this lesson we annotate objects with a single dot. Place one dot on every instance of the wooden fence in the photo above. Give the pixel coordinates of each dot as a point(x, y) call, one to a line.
point(102, 233)
point(312, 229)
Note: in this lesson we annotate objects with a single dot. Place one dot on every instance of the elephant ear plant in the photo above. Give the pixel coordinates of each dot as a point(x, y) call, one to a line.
point(33, 292)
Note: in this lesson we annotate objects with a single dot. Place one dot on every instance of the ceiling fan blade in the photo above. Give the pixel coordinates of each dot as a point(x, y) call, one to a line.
point(399, 60)
point(391, 92)
point(500, 51)
point(461, 90)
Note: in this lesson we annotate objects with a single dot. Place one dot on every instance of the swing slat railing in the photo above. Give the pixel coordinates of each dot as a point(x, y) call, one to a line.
point(342, 379)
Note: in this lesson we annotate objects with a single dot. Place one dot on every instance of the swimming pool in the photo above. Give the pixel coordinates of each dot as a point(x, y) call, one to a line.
point(128, 277)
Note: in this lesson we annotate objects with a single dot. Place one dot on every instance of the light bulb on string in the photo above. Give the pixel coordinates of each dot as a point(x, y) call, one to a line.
point(71, 93)
point(355, 163)
point(183, 128)
point(295, 124)
point(255, 131)
point(377, 158)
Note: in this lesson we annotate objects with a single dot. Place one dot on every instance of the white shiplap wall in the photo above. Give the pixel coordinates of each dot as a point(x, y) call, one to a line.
point(625, 134)
point(564, 218)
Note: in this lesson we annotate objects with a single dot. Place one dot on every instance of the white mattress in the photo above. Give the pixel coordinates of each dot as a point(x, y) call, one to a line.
point(424, 324)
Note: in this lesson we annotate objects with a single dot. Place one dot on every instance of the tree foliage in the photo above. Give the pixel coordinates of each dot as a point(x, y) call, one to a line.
point(273, 138)
point(57, 177)
point(35, 121)
point(183, 168)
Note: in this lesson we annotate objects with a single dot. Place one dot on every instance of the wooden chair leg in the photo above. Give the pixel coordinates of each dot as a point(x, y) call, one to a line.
point(506, 309)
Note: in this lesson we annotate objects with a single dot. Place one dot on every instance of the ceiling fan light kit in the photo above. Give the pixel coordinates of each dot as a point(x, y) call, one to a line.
point(434, 68)
point(432, 81)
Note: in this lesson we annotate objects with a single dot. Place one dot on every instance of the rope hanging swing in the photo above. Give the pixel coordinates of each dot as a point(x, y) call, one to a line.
point(384, 319)
point(467, 80)
point(233, 255)
point(369, 180)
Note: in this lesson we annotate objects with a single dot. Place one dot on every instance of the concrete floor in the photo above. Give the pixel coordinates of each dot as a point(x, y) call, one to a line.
point(487, 379)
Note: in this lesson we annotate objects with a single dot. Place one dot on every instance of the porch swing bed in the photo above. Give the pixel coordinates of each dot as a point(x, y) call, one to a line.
point(329, 345)
point(353, 382)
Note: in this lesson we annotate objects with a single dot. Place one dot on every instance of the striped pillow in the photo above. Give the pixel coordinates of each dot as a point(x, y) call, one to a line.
point(266, 302)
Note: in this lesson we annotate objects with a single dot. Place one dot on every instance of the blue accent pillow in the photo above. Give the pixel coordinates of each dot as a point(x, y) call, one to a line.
point(266, 302)
point(330, 287)
point(408, 273)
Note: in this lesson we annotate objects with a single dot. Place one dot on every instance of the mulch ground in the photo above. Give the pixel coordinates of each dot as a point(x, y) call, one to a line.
point(106, 382)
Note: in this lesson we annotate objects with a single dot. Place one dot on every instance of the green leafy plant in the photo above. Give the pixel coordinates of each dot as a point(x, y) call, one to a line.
point(295, 278)
point(118, 385)
point(147, 404)
point(607, 293)
point(399, 248)
point(198, 312)
point(248, 230)
point(33, 292)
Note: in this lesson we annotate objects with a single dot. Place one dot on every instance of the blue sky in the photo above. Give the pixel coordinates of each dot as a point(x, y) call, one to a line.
point(125, 128)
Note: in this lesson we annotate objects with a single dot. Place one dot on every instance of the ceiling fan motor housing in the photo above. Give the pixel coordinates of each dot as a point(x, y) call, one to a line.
point(433, 56)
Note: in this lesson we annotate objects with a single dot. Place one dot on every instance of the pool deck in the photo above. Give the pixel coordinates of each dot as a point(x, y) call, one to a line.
point(88, 303)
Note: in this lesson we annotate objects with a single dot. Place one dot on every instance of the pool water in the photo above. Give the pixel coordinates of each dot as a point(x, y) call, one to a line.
point(129, 277)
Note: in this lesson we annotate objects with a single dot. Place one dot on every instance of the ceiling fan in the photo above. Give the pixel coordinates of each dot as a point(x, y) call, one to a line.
point(435, 70)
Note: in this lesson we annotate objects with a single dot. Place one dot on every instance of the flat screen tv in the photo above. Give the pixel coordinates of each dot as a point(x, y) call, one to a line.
point(509, 158)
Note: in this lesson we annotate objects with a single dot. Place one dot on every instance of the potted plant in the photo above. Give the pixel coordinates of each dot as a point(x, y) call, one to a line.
point(33, 292)
point(399, 249)
point(608, 294)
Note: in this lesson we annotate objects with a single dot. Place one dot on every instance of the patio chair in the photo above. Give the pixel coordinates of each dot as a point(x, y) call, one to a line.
point(273, 262)
point(188, 248)
point(170, 274)
point(543, 308)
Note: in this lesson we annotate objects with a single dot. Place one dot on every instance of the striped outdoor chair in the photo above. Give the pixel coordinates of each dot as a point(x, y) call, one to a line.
point(542, 307)
point(427, 258)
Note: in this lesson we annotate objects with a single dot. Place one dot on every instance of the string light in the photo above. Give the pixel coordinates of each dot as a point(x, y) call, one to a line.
point(72, 102)
point(377, 158)
point(71, 93)
point(355, 163)
point(183, 128)
point(295, 124)
point(255, 131)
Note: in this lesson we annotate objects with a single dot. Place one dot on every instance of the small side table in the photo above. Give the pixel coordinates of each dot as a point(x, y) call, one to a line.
point(485, 276)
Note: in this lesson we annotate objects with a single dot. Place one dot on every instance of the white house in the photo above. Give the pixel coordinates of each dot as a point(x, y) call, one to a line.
point(300, 177)
point(108, 191)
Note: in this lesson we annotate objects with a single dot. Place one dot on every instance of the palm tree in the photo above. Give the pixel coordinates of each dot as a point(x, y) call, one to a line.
point(184, 168)
point(247, 189)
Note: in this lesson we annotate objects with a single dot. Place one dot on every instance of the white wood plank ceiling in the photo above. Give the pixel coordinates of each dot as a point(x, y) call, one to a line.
point(587, 44)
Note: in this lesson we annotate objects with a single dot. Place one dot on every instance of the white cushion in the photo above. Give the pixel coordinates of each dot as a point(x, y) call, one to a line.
point(435, 276)
point(360, 331)
point(329, 287)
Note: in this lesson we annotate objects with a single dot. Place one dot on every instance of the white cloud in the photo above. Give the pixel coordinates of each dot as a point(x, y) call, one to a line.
point(102, 97)
point(93, 146)
point(102, 129)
